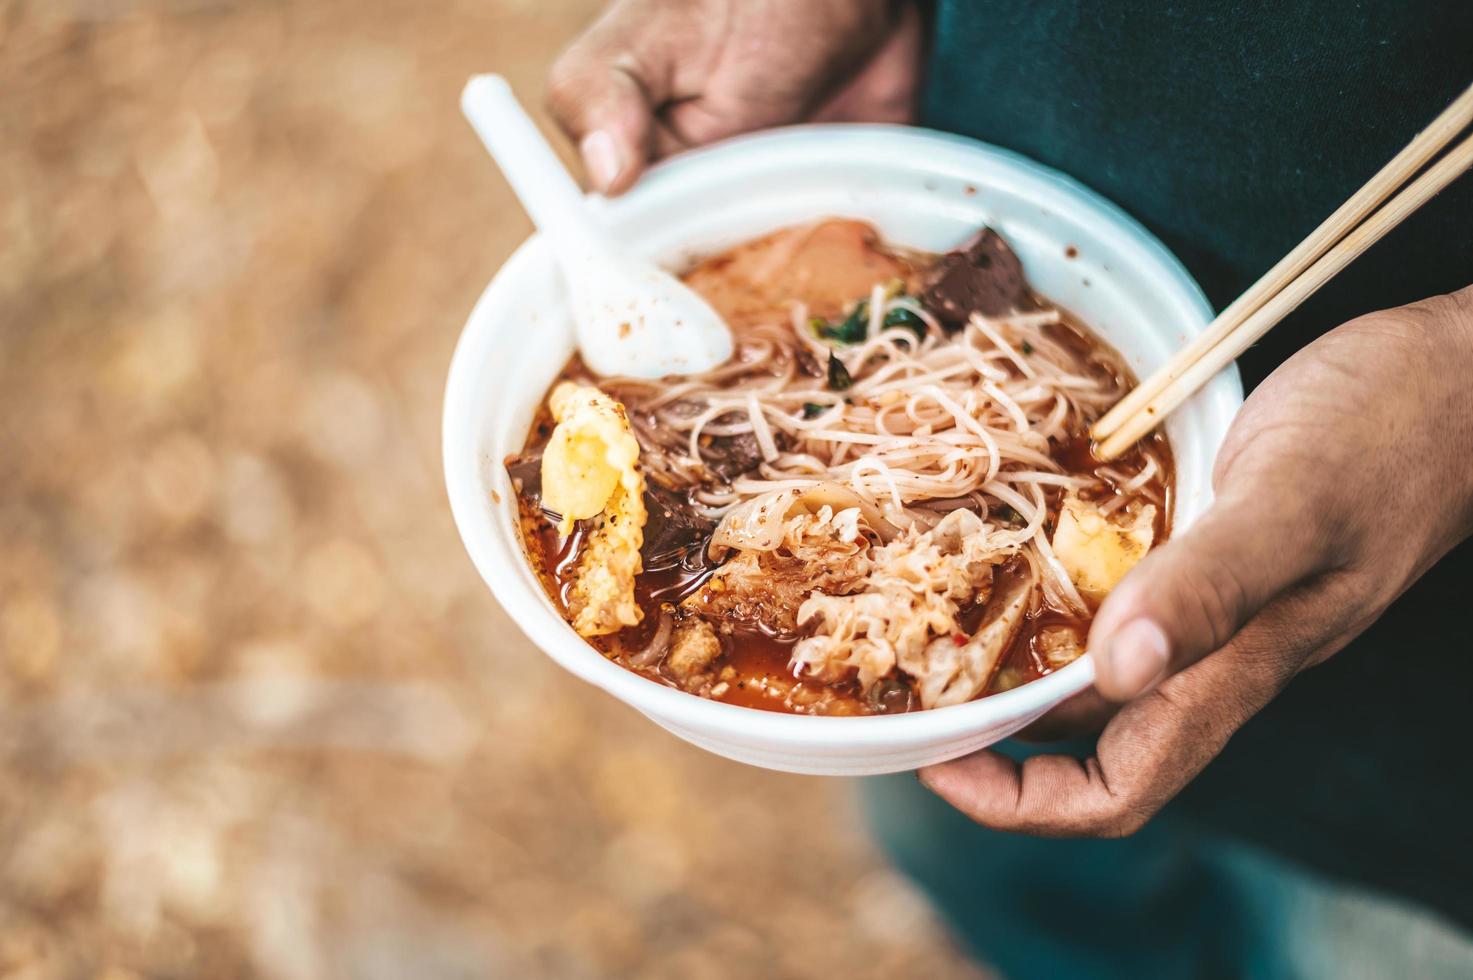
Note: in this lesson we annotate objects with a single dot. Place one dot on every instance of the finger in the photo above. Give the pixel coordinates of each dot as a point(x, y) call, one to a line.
point(887, 89)
point(667, 142)
point(1158, 743)
point(1147, 753)
point(1152, 748)
point(604, 91)
point(1191, 595)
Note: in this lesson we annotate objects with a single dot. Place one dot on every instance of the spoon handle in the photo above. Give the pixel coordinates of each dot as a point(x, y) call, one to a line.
point(547, 191)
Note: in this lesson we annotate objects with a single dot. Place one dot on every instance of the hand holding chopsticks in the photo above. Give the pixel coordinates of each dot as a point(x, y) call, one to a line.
point(1342, 238)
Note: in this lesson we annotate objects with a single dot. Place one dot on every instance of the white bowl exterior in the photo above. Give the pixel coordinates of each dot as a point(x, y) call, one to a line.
point(921, 189)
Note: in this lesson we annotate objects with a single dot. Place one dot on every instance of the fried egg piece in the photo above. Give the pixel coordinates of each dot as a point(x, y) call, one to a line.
point(1097, 549)
point(590, 471)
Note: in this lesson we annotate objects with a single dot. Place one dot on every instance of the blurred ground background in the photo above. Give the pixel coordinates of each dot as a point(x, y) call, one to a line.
point(258, 715)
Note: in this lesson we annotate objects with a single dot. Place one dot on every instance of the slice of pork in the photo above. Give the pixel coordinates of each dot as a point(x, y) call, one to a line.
point(983, 276)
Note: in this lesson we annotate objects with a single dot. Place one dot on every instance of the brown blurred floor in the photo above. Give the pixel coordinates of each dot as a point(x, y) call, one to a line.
point(258, 716)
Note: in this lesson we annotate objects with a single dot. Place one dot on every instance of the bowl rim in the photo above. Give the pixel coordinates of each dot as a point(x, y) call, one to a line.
point(947, 155)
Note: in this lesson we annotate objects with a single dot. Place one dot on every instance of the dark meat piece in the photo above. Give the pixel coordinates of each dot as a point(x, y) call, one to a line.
point(526, 478)
point(674, 534)
point(731, 456)
point(983, 276)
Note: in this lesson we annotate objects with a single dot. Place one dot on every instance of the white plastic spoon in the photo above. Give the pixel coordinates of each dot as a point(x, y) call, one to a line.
point(632, 317)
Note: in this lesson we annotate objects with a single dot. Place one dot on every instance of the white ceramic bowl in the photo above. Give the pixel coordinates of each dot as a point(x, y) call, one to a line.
point(922, 189)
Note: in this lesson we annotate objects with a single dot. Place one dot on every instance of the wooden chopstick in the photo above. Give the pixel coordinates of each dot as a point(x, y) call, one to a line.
point(1452, 121)
point(1287, 299)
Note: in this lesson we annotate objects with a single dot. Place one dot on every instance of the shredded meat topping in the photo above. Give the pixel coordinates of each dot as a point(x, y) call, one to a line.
point(826, 550)
point(916, 589)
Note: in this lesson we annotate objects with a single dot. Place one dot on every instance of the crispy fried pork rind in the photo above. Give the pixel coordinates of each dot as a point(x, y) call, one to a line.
point(761, 524)
point(764, 587)
point(953, 669)
point(906, 614)
point(590, 471)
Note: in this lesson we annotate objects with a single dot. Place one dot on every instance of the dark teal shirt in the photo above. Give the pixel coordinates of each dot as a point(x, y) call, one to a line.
point(1231, 128)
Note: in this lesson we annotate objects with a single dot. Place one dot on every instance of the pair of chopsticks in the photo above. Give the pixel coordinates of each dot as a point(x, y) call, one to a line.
point(1331, 247)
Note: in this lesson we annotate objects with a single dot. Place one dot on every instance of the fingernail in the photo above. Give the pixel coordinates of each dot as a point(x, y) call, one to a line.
point(601, 157)
point(1139, 655)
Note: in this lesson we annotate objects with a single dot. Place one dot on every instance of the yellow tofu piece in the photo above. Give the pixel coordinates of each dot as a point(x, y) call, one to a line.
point(1097, 549)
point(592, 451)
point(590, 470)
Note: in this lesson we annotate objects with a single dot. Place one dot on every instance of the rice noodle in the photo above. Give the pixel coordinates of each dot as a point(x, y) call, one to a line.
point(877, 309)
point(1126, 485)
point(928, 425)
point(761, 430)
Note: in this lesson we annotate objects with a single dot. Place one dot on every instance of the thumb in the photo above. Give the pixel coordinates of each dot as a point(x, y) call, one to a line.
point(605, 101)
point(1191, 595)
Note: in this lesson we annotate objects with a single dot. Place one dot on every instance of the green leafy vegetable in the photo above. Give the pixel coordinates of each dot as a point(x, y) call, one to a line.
point(1027, 348)
point(851, 330)
point(902, 317)
point(854, 328)
point(812, 410)
point(839, 378)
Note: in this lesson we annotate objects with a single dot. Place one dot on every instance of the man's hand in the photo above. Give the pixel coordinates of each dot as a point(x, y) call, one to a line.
point(1347, 475)
point(654, 76)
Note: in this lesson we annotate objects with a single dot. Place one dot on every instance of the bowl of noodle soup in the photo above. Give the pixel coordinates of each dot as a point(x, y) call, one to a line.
point(919, 194)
